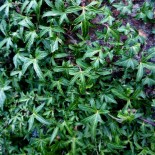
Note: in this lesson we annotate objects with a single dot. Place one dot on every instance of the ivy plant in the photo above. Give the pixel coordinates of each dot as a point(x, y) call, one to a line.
point(75, 79)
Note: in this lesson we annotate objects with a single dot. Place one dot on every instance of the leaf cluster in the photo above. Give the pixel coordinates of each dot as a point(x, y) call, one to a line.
point(69, 84)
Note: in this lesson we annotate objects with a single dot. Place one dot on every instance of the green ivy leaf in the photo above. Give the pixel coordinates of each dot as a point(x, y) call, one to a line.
point(140, 72)
point(31, 122)
point(37, 69)
point(54, 134)
point(41, 119)
point(85, 27)
point(119, 94)
point(2, 98)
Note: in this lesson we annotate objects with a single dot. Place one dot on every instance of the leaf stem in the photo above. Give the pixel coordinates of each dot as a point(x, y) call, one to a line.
point(147, 121)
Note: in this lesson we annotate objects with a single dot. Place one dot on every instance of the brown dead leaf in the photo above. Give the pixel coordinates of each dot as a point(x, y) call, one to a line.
point(142, 33)
point(116, 13)
point(125, 2)
point(58, 137)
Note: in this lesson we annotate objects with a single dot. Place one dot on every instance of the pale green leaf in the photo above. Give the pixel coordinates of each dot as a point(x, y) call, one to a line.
point(54, 134)
point(140, 72)
point(31, 121)
point(119, 94)
point(41, 119)
point(37, 69)
point(39, 108)
point(2, 98)
point(52, 13)
point(26, 65)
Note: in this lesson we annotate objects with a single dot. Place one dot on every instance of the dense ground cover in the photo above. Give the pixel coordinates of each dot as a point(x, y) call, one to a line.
point(77, 77)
